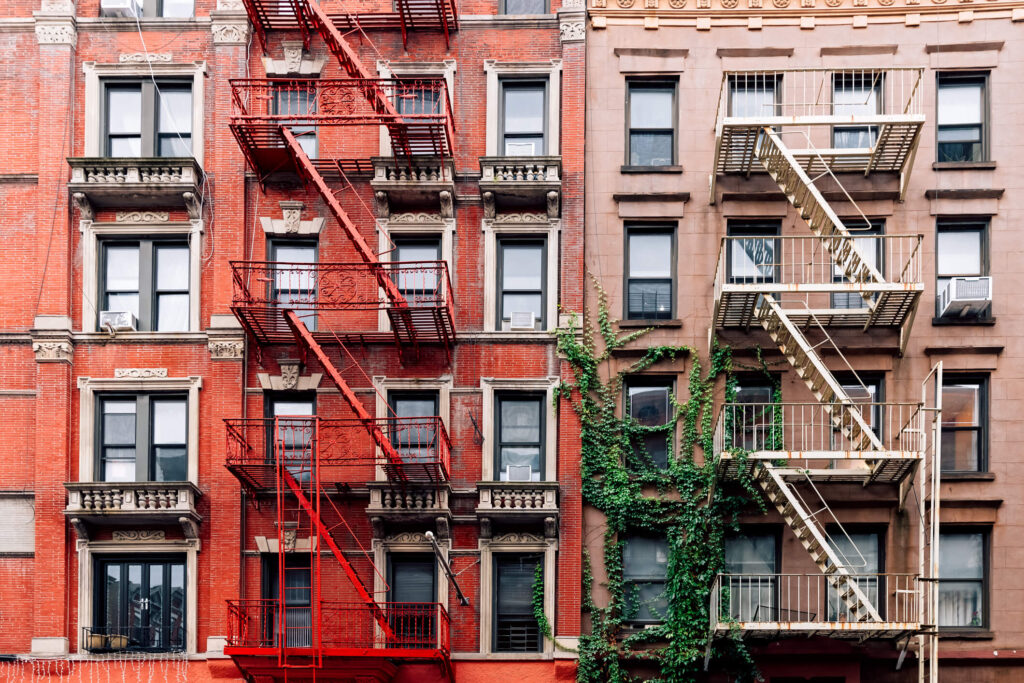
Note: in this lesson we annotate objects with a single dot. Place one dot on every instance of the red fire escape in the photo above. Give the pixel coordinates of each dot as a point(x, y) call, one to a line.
point(305, 461)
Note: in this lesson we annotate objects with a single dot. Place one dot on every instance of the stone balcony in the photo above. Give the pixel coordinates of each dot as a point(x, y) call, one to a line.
point(417, 182)
point(136, 183)
point(392, 504)
point(97, 504)
point(521, 184)
point(517, 502)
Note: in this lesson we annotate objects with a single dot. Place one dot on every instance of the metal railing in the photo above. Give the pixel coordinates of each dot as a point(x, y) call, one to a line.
point(302, 443)
point(99, 639)
point(853, 94)
point(810, 430)
point(330, 624)
point(800, 600)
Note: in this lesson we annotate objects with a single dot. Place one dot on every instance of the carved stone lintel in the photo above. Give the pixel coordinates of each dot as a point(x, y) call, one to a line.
point(443, 532)
point(292, 56)
point(447, 204)
point(489, 206)
point(407, 537)
point(189, 527)
point(571, 31)
point(226, 349)
point(143, 57)
point(230, 4)
point(140, 373)
point(377, 524)
point(415, 218)
point(192, 205)
point(381, 204)
point(517, 538)
point(81, 531)
point(525, 217)
point(290, 371)
point(60, 351)
point(290, 222)
point(550, 527)
point(142, 216)
point(84, 206)
point(485, 527)
point(552, 197)
point(140, 535)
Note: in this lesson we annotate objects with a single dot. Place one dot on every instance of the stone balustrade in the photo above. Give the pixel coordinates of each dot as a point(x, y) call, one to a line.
point(136, 183)
point(517, 497)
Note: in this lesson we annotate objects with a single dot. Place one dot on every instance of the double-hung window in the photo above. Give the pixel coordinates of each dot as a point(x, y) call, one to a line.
point(522, 283)
point(294, 284)
point(644, 575)
point(754, 254)
point(650, 406)
point(139, 604)
point(963, 591)
point(867, 238)
point(754, 95)
point(416, 270)
point(522, 7)
point(168, 9)
point(290, 431)
point(523, 118)
point(651, 111)
point(298, 600)
point(964, 423)
point(865, 389)
point(754, 423)
point(414, 435)
point(752, 561)
point(298, 98)
point(961, 110)
point(148, 118)
point(143, 437)
point(650, 272)
point(519, 452)
point(412, 590)
point(962, 246)
point(857, 93)
point(515, 626)
point(149, 279)
point(861, 554)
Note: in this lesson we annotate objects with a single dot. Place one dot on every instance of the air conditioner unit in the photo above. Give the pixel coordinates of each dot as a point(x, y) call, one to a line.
point(120, 8)
point(119, 321)
point(521, 320)
point(518, 473)
point(964, 296)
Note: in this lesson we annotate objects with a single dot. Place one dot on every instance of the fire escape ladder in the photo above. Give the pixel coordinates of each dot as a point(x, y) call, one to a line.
point(801, 192)
point(812, 537)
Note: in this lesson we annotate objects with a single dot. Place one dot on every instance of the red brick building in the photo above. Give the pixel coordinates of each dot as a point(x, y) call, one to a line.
point(199, 484)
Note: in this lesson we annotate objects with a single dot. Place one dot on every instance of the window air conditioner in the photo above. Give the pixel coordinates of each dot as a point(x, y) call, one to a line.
point(120, 8)
point(521, 320)
point(119, 321)
point(518, 473)
point(964, 296)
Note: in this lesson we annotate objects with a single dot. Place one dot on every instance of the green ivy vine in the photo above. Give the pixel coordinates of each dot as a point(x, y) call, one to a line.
point(680, 501)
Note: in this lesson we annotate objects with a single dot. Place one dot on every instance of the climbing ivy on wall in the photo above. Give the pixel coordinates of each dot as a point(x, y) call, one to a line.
point(682, 502)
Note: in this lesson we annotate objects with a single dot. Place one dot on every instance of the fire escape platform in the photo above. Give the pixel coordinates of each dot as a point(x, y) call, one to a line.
point(772, 630)
point(737, 305)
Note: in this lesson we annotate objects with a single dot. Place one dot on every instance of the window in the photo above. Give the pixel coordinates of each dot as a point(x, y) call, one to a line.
point(861, 554)
point(856, 94)
point(754, 426)
point(651, 112)
point(298, 600)
point(867, 240)
point(148, 118)
point(866, 389)
point(754, 253)
point(650, 273)
point(179, 9)
point(523, 108)
point(524, 7)
point(412, 584)
point(293, 431)
point(751, 560)
point(522, 274)
point(298, 98)
point(963, 594)
point(754, 95)
point(415, 434)
point(139, 605)
point(962, 247)
point(960, 115)
point(649, 404)
point(418, 281)
point(515, 627)
point(644, 575)
point(143, 437)
point(294, 283)
point(149, 279)
point(519, 455)
point(964, 423)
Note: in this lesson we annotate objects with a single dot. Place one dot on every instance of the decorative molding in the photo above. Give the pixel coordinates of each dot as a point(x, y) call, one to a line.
point(56, 30)
point(517, 538)
point(573, 4)
point(230, 5)
point(415, 218)
point(291, 222)
point(295, 63)
point(142, 216)
point(140, 535)
point(413, 537)
point(574, 31)
point(143, 57)
point(226, 349)
point(229, 27)
point(652, 13)
point(53, 351)
point(139, 373)
point(521, 218)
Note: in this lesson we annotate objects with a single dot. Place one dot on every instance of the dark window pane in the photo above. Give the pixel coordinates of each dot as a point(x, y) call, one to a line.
point(644, 570)
point(124, 110)
point(515, 626)
point(520, 420)
point(961, 574)
point(650, 148)
point(750, 561)
point(649, 405)
point(412, 578)
point(650, 299)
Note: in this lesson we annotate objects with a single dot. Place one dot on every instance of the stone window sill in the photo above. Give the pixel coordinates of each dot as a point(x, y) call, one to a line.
point(965, 633)
point(651, 169)
point(968, 476)
point(954, 322)
point(964, 166)
point(674, 323)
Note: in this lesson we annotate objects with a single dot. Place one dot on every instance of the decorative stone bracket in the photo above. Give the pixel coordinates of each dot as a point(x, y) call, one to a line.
point(295, 63)
point(290, 378)
point(52, 339)
point(291, 222)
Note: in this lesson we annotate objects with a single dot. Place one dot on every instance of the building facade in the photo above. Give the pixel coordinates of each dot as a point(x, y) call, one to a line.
point(282, 371)
point(826, 190)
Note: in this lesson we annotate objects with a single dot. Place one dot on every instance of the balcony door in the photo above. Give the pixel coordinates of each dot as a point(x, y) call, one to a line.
point(139, 605)
point(298, 600)
point(418, 280)
point(412, 594)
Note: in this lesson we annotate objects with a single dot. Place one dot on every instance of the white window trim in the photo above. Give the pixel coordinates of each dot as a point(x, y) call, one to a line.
point(407, 543)
point(427, 225)
point(382, 385)
point(92, 233)
point(551, 230)
point(88, 388)
point(490, 387)
point(89, 550)
point(387, 69)
point(515, 543)
point(94, 75)
point(495, 70)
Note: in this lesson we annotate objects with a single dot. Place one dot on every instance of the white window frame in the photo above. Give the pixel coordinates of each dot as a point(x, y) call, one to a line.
point(93, 233)
point(550, 70)
point(88, 387)
point(515, 543)
point(88, 551)
point(387, 69)
point(492, 386)
point(95, 74)
point(493, 229)
point(382, 385)
point(425, 225)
